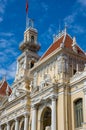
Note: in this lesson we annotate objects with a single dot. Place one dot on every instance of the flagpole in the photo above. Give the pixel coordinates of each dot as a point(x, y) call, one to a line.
point(26, 14)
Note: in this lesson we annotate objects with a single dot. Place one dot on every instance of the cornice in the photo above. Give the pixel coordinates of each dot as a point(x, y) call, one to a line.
point(23, 111)
point(73, 53)
point(40, 62)
point(77, 79)
point(24, 108)
point(13, 102)
point(43, 91)
point(76, 91)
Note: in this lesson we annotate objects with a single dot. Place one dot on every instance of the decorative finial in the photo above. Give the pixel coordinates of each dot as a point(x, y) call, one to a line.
point(54, 36)
point(7, 90)
point(74, 45)
point(4, 77)
point(65, 29)
point(59, 27)
point(74, 40)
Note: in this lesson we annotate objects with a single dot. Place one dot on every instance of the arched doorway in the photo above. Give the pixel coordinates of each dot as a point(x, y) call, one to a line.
point(46, 118)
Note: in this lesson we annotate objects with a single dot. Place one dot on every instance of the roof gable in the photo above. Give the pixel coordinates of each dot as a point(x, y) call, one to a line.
point(67, 40)
point(4, 87)
point(53, 47)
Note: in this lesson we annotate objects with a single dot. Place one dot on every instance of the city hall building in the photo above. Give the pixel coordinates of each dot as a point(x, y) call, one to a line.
point(49, 92)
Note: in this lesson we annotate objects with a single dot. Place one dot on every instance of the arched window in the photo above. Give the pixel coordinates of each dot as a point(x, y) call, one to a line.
point(46, 118)
point(32, 64)
point(32, 39)
point(78, 107)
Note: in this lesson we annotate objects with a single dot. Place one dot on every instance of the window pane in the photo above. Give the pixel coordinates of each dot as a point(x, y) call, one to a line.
point(78, 113)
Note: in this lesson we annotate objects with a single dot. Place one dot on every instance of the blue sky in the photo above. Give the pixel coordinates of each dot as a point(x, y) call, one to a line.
point(48, 16)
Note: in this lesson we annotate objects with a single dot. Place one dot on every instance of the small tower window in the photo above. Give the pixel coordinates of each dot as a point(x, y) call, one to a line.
point(32, 64)
point(32, 39)
point(74, 71)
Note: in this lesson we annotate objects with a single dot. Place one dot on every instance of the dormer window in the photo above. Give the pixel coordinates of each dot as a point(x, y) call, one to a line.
point(32, 39)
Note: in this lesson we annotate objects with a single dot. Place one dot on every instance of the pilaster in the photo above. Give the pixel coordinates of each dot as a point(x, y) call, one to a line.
point(16, 124)
point(26, 122)
point(34, 117)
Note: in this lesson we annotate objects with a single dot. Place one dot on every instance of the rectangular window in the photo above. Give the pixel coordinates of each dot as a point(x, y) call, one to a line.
point(78, 113)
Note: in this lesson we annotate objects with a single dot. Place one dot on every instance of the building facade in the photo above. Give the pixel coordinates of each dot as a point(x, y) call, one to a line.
point(49, 92)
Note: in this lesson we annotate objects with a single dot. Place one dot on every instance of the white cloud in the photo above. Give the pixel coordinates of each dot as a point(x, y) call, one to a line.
point(7, 42)
point(77, 11)
point(1, 19)
point(78, 29)
point(2, 72)
point(82, 2)
point(44, 6)
point(70, 19)
point(48, 34)
point(8, 54)
point(8, 34)
point(2, 6)
point(9, 72)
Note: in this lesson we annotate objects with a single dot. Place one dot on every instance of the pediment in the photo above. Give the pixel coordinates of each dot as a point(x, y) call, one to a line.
point(16, 92)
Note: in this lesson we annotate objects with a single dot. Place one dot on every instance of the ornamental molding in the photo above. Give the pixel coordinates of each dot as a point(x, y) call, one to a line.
point(43, 99)
point(39, 63)
point(13, 103)
point(79, 76)
point(16, 93)
point(76, 91)
point(45, 91)
point(15, 114)
point(84, 88)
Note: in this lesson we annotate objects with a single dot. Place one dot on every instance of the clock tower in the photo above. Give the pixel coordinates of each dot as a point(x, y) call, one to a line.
point(29, 47)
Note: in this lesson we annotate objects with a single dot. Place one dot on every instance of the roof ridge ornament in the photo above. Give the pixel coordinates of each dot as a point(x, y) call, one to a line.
point(65, 33)
point(74, 45)
point(65, 28)
point(4, 77)
point(74, 41)
point(7, 90)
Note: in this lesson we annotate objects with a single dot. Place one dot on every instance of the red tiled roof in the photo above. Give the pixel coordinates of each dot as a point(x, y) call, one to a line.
point(53, 47)
point(67, 43)
point(3, 88)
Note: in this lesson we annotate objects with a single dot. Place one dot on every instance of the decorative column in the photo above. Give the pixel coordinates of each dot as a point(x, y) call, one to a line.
point(8, 126)
point(26, 122)
point(34, 118)
point(53, 113)
point(16, 124)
